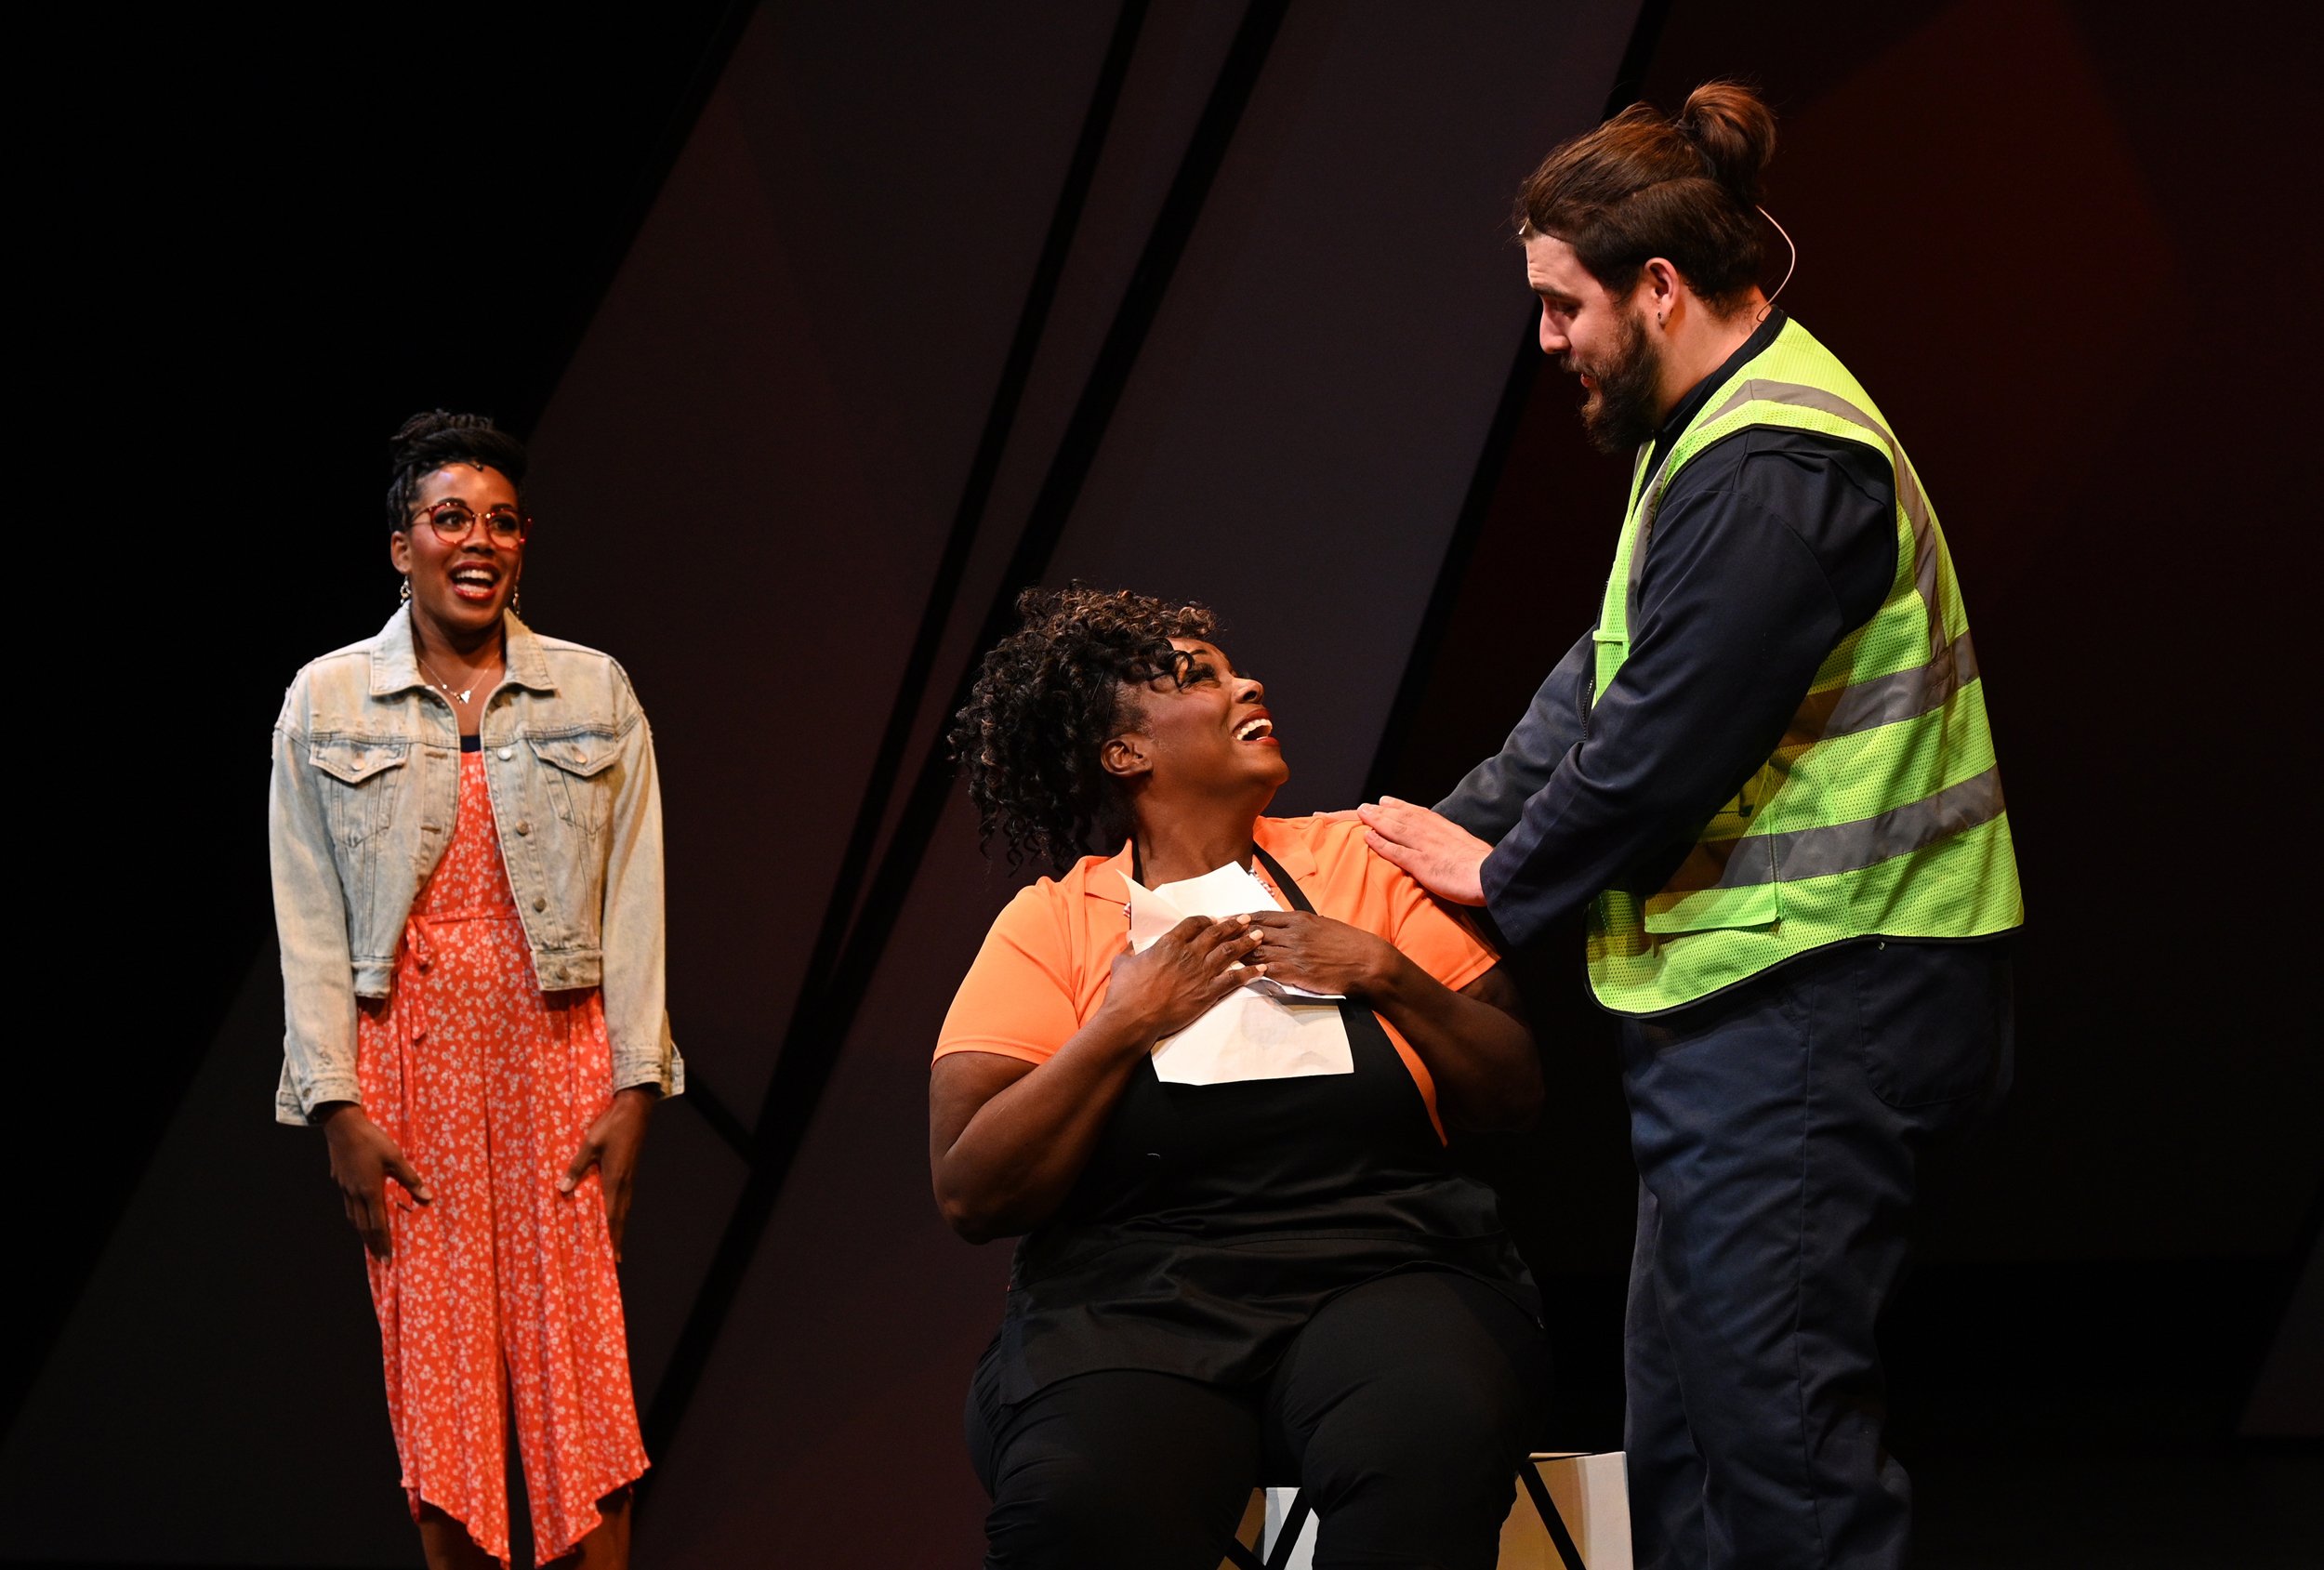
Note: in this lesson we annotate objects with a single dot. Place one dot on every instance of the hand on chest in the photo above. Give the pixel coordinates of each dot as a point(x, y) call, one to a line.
point(1263, 1030)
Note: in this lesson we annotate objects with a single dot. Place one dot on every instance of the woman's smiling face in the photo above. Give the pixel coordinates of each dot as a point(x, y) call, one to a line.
point(1208, 732)
point(462, 584)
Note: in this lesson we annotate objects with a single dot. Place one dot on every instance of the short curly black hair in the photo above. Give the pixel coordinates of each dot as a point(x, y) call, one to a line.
point(427, 441)
point(1048, 698)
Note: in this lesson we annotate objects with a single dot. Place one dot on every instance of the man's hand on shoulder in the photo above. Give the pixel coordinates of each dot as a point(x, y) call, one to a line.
point(1443, 857)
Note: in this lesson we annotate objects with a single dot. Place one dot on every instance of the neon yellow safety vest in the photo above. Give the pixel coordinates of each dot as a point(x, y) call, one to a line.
point(1881, 813)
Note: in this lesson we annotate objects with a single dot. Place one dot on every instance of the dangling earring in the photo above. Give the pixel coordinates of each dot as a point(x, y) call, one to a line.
point(516, 602)
point(403, 595)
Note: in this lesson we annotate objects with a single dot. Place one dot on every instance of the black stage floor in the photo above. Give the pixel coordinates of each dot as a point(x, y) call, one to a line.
point(2053, 1416)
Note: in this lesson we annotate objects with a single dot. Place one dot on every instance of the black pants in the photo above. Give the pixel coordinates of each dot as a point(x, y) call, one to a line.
point(1777, 1129)
point(1403, 1409)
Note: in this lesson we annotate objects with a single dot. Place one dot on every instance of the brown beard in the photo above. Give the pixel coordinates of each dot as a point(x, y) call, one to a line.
point(1622, 415)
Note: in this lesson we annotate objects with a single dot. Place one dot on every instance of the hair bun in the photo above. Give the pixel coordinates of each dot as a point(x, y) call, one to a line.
point(422, 431)
point(427, 442)
point(1734, 131)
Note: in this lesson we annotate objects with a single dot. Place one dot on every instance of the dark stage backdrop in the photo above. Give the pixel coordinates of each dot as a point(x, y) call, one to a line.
point(2023, 226)
point(2020, 224)
point(846, 319)
point(1211, 300)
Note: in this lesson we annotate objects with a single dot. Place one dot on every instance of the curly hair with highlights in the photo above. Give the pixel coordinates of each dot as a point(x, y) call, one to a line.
point(1048, 697)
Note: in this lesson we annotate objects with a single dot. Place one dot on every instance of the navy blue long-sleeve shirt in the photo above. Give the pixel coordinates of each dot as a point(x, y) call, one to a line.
point(1769, 548)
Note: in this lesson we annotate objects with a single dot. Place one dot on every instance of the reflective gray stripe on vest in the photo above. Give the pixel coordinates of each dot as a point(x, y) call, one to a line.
point(1884, 700)
point(1800, 396)
point(1801, 853)
point(1908, 494)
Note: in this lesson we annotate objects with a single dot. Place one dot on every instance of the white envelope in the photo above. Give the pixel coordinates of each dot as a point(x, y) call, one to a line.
point(1264, 1029)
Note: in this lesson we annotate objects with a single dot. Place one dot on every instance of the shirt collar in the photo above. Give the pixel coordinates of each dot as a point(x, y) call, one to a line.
point(1109, 879)
point(395, 663)
point(1684, 412)
point(1296, 852)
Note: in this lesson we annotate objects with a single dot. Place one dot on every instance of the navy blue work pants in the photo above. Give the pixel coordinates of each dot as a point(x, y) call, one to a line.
point(1778, 1127)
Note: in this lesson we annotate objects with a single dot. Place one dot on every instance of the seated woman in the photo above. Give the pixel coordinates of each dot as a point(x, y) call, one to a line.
point(1246, 1255)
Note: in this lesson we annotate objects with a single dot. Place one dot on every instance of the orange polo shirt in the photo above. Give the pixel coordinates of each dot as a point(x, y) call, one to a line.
point(1045, 965)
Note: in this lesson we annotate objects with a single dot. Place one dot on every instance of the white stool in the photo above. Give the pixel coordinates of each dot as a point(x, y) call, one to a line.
point(1572, 1512)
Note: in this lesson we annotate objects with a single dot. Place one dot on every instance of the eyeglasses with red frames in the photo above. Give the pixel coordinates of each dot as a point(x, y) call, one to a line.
point(453, 521)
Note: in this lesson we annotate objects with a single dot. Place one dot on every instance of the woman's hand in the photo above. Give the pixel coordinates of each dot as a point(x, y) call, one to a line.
point(1181, 975)
point(1305, 950)
point(362, 1159)
point(612, 1146)
point(1006, 1140)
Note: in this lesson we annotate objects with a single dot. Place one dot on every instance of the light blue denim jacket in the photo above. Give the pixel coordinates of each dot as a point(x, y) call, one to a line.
point(365, 787)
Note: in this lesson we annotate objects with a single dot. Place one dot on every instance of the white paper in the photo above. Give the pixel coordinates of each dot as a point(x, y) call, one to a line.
point(1262, 1030)
point(1230, 891)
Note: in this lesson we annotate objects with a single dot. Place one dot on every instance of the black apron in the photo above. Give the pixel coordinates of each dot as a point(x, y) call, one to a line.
point(1213, 1220)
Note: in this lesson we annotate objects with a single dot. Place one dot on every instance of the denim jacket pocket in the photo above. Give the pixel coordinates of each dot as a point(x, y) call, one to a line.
point(579, 785)
point(358, 799)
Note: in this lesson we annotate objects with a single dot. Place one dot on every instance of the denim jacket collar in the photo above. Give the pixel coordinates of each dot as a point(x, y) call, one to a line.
point(395, 663)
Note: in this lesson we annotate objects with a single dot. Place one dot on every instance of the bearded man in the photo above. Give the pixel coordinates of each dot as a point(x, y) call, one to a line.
point(1767, 776)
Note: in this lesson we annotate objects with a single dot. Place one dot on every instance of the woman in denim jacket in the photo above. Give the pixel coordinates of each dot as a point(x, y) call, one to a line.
point(466, 847)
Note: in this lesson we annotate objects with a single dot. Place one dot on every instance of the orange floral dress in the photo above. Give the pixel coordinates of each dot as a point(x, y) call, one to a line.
point(500, 1285)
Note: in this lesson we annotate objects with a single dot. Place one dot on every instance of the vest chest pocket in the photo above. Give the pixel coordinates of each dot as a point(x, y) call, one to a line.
point(357, 784)
point(577, 775)
point(1704, 910)
point(1748, 807)
point(1730, 878)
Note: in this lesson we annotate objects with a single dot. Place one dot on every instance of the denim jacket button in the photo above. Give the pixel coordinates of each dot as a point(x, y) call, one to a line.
point(540, 905)
point(524, 827)
point(507, 753)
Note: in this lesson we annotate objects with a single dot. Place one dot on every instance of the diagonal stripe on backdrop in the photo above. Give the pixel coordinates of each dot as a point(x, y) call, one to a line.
point(820, 1023)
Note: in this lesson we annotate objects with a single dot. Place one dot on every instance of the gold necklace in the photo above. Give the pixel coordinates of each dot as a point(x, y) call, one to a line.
point(442, 685)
